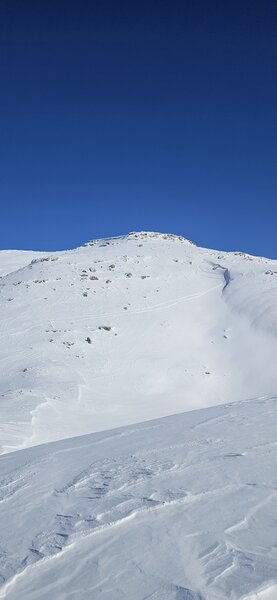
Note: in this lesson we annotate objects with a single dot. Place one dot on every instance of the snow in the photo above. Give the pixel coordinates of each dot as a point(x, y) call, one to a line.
point(190, 328)
point(180, 507)
point(138, 431)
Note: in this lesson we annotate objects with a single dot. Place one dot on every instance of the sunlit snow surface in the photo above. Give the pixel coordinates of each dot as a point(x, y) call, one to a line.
point(172, 327)
point(113, 334)
point(183, 507)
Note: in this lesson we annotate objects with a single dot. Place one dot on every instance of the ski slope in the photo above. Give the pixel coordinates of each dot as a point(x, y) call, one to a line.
point(138, 426)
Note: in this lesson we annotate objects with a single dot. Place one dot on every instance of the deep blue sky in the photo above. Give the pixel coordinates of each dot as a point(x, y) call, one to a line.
point(119, 116)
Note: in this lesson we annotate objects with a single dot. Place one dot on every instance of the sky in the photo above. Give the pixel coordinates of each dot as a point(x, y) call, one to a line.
point(118, 116)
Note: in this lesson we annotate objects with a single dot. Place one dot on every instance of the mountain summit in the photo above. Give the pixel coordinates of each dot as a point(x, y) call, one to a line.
point(128, 329)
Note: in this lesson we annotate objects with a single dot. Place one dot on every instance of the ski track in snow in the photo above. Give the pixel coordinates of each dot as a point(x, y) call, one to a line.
point(180, 508)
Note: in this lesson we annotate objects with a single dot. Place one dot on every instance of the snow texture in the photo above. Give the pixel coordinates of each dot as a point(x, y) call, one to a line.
point(105, 340)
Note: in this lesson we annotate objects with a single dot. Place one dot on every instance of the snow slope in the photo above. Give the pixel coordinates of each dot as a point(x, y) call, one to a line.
point(104, 340)
point(180, 508)
point(186, 328)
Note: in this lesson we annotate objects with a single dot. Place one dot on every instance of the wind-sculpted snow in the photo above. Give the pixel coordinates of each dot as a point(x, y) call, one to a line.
point(183, 507)
point(120, 332)
point(129, 329)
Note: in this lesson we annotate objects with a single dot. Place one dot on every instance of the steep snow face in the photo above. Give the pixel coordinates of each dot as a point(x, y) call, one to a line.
point(129, 329)
point(181, 508)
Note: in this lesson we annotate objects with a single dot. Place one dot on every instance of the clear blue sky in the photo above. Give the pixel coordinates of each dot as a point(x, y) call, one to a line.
point(157, 115)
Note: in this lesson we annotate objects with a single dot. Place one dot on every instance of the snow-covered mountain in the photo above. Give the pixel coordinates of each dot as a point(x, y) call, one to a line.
point(129, 329)
point(115, 333)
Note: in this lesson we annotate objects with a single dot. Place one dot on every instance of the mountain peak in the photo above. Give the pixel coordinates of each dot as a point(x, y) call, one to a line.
point(140, 235)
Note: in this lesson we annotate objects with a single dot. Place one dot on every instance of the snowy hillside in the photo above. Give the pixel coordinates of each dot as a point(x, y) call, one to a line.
point(104, 340)
point(130, 329)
